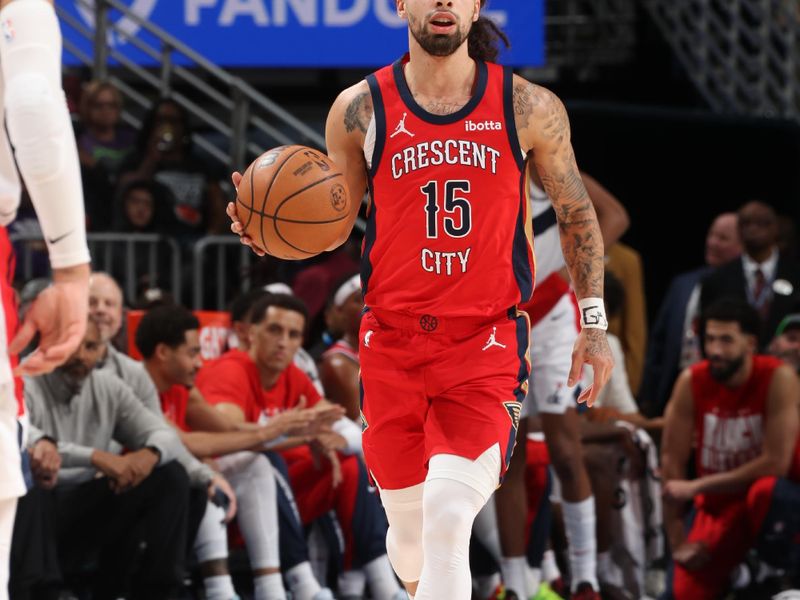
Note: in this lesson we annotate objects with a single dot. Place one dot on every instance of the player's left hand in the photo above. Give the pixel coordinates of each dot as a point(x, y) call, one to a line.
point(680, 490)
point(592, 348)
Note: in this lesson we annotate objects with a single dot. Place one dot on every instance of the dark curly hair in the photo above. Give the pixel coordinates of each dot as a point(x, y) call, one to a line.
point(484, 37)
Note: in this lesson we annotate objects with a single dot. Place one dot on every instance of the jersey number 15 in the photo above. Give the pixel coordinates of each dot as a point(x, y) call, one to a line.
point(453, 227)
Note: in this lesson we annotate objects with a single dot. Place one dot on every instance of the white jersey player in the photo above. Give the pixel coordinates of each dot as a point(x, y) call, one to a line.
point(555, 324)
point(40, 131)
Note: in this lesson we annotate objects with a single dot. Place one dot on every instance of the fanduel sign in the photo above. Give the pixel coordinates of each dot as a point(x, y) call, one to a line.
point(296, 33)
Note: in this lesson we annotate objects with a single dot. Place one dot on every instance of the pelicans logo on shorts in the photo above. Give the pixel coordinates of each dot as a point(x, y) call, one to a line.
point(364, 423)
point(514, 409)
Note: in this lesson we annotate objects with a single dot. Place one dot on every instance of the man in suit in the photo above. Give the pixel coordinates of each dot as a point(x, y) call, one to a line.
point(674, 343)
point(769, 281)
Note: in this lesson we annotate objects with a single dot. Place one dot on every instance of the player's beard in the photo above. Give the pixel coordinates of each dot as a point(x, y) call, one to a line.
point(437, 44)
point(722, 370)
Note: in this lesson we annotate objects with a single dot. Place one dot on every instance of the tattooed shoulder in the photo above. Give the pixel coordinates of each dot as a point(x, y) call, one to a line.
point(358, 112)
point(536, 106)
point(525, 99)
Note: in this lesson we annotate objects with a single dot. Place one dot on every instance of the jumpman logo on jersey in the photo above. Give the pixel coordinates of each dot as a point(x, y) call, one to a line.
point(401, 127)
point(493, 340)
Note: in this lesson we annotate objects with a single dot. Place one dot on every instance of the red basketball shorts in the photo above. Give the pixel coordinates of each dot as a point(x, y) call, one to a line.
point(439, 386)
point(723, 528)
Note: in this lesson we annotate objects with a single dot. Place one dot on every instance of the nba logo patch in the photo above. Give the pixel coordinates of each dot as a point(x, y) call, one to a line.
point(8, 30)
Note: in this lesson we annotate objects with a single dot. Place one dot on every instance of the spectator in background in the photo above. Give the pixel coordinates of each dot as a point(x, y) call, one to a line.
point(106, 506)
point(762, 276)
point(786, 343)
point(143, 207)
point(102, 147)
point(104, 141)
point(339, 368)
point(249, 387)
point(168, 338)
point(630, 326)
point(241, 313)
point(106, 311)
point(739, 410)
point(164, 155)
point(674, 339)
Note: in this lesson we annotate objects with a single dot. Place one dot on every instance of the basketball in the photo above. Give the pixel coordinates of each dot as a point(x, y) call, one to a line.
point(293, 202)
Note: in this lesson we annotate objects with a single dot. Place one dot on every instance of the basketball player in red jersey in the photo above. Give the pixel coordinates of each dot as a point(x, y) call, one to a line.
point(40, 130)
point(441, 139)
point(741, 408)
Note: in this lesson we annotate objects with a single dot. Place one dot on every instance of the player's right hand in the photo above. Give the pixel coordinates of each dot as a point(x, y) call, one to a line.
point(236, 226)
point(59, 315)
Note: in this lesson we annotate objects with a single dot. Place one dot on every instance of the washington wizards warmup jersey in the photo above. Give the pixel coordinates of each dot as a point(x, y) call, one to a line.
point(448, 230)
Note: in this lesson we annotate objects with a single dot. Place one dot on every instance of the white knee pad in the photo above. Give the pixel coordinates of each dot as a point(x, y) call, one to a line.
point(211, 542)
point(404, 538)
point(481, 474)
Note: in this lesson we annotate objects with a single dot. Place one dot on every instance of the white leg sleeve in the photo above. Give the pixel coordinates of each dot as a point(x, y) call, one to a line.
point(251, 476)
point(404, 538)
point(485, 529)
point(455, 491)
point(211, 542)
point(40, 128)
point(8, 509)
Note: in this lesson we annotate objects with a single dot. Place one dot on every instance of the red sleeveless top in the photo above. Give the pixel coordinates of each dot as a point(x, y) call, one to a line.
point(730, 421)
point(448, 230)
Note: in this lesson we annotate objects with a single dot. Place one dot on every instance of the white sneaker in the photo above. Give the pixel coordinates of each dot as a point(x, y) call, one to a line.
point(324, 594)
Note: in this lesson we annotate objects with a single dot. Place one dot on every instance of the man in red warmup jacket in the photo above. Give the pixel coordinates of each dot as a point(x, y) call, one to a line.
point(326, 472)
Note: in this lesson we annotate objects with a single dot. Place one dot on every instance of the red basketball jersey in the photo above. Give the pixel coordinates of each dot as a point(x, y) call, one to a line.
point(173, 404)
point(730, 421)
point(448, 231)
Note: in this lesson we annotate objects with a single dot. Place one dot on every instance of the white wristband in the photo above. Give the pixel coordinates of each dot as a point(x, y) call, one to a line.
point(593, 313)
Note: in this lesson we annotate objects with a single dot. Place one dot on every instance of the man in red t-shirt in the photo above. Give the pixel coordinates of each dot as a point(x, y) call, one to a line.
point(739, 411)
point(325, 473)
point(168, 339)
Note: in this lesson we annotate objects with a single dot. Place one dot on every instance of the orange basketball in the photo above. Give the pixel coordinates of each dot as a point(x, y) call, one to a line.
point(293, 202)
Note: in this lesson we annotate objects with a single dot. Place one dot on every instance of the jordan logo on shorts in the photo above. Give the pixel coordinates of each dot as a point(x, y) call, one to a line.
point(366, 338)
point(401, 127)
point(493, 341)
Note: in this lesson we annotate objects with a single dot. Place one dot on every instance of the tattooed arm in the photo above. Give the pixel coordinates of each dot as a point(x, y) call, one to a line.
point(544, 133)
point(345, 131)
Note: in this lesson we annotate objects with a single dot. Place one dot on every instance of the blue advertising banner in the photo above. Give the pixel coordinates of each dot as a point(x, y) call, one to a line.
point(296, 33)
